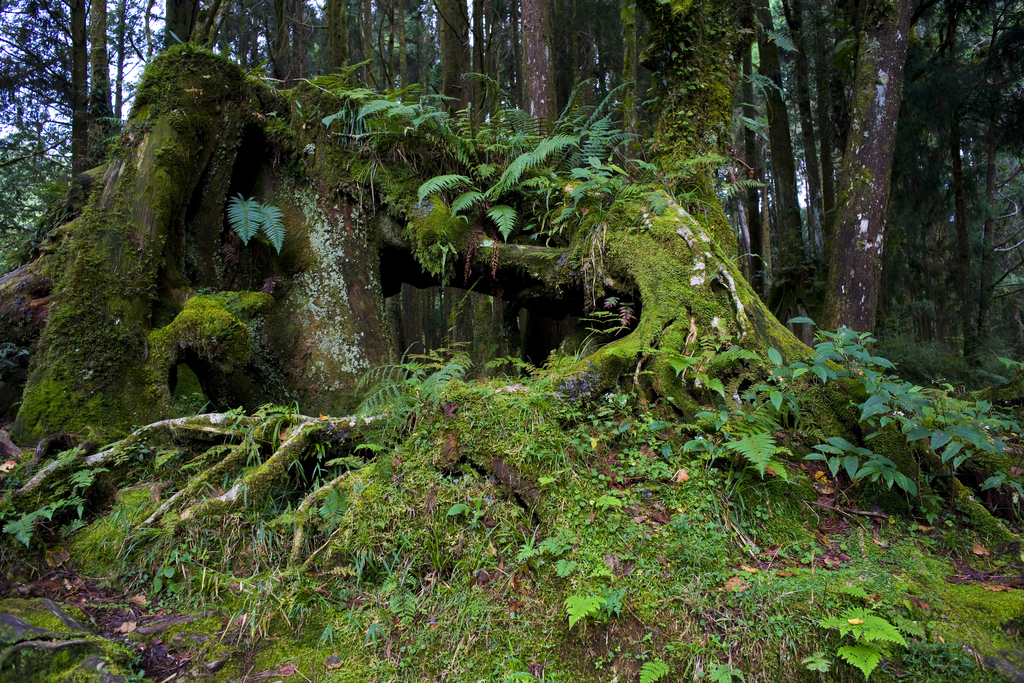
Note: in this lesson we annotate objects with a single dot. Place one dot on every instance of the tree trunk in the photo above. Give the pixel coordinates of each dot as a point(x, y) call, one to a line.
point(453, 19)
point(479, 89)
point(403, 62)
point(181, 18)
point(856, 261)
point(988, 240)
point(79, 88)
point(965, 285)
point(281, 47)
point(790, 250)
point(752, 195)
point(516, 75)
point(100, 111)
point(119, 92)
point(337, 35)
point(629, 66)
point(538, 80)
point(822, 81)
point(367, 25)
point(794, 17)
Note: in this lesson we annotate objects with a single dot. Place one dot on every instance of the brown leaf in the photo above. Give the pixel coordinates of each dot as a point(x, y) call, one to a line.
point(1016, 471)
point(926, 529)
point(288, 669)
point(640, 520)
point(995, 587)
point(880, 543)
point(126, 627)
point(750, 570)
point(451, 452)
point(8, 466)
point(431, 504)
point(57, 557)
point(785, 573)
point(736, 585)
point(333, 662)
point(920, 604)
point(682, 476)
point(659, 518)
point(979, 550)
point(662, 561)
point(140, 600)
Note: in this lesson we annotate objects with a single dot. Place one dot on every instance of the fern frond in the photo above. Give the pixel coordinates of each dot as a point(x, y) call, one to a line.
point(441, 183)
point(467, 200)
point(653, 671)
point(270, 220)
point(758, 449)
point(504, 217)
point(243, 214)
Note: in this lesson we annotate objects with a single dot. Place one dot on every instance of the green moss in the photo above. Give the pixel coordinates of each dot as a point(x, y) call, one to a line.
point(437, 237)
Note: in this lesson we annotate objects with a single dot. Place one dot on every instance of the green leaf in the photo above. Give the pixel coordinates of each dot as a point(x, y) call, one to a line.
point(243, 214)
point(801, 320)
point(775, 356)
point(271, 225)
point(653, 671)
point(505, 218)
point(850, 463)
point(582, 606)
point(457, 509)
point(441, 183)
point(758, 449)
point(863, 656)
point(776, 398)
point(467, 200)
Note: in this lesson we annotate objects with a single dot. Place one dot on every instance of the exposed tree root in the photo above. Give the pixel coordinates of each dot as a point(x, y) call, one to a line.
point(302, 514)
point(253, 488)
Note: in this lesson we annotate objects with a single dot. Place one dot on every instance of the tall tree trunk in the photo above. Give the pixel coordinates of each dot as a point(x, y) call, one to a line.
point(403, 61)
point(988, 234)
point(822, 82)
point(337, 35)
point(453, 19)
point(367, 25)
point(517, 55)
point(794, 18)
point(119, 90)
point(281, 48)
point(789, 233)
point(100, 112)
point(539, 91)
point(963, 241)
point(180, 21)
point(752, 195)
point(79, 88)
point(629, 64)
point(478, 87)
point(856, 261)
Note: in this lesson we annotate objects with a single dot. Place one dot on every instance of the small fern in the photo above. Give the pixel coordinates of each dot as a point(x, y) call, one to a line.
point(759, 449)
point(582, 606)
point(248, 217)
point(653, 671)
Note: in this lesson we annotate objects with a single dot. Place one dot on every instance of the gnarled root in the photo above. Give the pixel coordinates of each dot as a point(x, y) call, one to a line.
point(302, 514)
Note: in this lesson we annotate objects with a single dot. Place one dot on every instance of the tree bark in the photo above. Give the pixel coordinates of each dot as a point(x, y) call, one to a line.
point(119, 91)
point(783, 161)
point(479, 89)
point(965, 284)
point(986, 290)
point(100, 111)
point(337, 35)
point(752, 195)
point(180, 21)
point(516, 75)
point(403, 61)
point(822, 81)
point(856, 261)
point(280, 44)
point(794, 17)
point(79, 88)
point(539, 84)
point(453, 19)
point(630, 110)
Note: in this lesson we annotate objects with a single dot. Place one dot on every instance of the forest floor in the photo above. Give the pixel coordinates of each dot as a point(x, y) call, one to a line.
point(501, 532)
